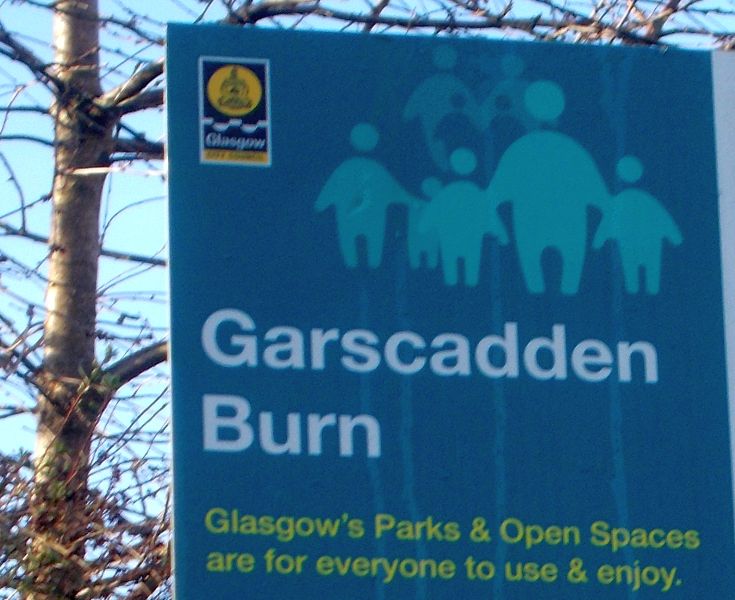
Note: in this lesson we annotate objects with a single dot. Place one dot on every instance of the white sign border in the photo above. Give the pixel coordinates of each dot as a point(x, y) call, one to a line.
point(723, 79)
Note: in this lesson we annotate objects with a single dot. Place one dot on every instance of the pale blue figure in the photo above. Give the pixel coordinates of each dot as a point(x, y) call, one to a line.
point(361, 189)
point(422, 242)
point(506, 97)
point(550, 180)
point(638, 223)
point(461, 214)
point(438, 97)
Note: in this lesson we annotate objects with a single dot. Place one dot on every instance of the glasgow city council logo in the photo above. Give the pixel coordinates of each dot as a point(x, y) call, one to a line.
point(234, 111)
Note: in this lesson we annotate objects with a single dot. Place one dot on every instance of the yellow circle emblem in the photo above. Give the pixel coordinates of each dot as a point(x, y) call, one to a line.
point(234, 90)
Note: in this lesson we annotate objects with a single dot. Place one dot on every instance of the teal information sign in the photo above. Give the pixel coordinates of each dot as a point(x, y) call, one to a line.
point(450, 318)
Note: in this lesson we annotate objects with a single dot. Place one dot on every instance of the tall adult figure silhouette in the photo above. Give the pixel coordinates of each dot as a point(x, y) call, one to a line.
point(550, 180)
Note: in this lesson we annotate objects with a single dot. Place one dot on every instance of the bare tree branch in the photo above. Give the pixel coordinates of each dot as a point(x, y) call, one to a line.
point(27, 109)
point(27, 138)
point(128, 368)
point(17, 51)
point(141, 101)
point(138, 148)
point(252, 14)
point(133, 86)
point(131, 256)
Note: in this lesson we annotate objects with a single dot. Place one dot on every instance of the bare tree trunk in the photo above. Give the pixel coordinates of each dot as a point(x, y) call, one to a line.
point(72, 398)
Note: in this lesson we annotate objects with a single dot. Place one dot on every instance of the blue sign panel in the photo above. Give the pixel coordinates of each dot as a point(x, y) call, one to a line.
point(449, 318)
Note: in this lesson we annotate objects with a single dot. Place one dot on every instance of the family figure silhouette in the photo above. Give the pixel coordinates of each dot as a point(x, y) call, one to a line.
point(548, 179)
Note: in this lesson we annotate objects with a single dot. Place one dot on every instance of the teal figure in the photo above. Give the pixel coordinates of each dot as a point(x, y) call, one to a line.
point(506, 97)
point(461, 214)
point(422, 243)
point(361, 189)
point(638, 223)
point(550, 180)
point(435, 99)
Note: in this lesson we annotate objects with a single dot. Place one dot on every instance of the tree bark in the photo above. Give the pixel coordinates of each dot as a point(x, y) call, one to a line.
point(73, 392)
